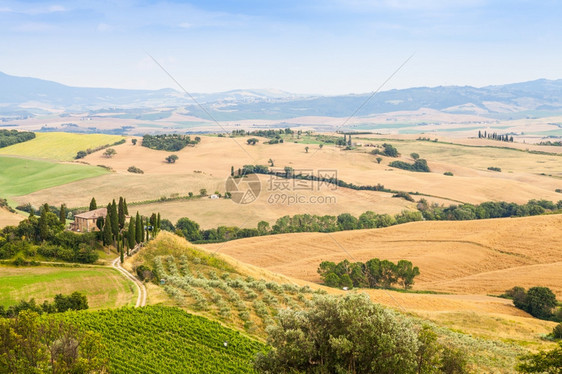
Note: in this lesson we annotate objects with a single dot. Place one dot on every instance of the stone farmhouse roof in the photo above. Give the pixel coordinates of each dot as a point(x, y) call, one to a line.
point(101, 212)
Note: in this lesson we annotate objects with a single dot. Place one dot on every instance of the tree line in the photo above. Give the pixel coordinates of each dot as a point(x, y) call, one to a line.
point(489, 209)
point(289, 224)
point(84, 153)
point(11, 137)
point(369, 220)
point(374, 273)
point(61, 303)
point(495, 136)
point(168, 142)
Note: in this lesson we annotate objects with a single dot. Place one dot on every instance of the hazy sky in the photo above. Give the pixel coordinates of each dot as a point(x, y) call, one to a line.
point(303, 46)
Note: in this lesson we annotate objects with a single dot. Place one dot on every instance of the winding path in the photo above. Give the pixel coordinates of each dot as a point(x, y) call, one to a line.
point(141, 299)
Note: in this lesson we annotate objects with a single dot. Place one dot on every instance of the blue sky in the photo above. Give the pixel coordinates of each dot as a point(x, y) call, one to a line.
point(307, 46)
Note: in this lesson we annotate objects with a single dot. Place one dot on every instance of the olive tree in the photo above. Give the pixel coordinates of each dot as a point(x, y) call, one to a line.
point(340, 335)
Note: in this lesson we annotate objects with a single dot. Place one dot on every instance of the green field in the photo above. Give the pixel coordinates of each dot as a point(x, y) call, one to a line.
point(19, 176)
point(157, 339)
point(104, 287)
point(60, 146)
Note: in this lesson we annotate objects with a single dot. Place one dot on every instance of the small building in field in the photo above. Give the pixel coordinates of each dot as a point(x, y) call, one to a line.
point(85, 222)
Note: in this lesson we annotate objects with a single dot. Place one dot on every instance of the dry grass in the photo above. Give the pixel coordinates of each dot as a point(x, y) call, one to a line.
point(470, 257)
point(471, 182)
point(478, 315)
point(9, 219)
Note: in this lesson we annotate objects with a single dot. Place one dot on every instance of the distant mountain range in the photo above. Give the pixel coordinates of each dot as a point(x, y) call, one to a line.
point(31, 96)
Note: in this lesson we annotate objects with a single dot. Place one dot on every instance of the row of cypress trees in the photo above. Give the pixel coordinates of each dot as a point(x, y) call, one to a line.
point(116, 232)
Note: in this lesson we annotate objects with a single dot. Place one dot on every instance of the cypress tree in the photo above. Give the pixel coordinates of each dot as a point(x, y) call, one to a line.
point(125, 209)
point(138, 229)
point(158, 222)
point(232, 171)
point(46, 208)
point(121, 213)
point(114, 219)
point(121, 256)
point(126, 242)
point(62, 214)
point(107, 234)
point(93, 204)
point(131, 233)
point(43, 227)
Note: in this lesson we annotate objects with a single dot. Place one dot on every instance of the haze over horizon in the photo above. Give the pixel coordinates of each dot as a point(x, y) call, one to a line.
point(313, 47)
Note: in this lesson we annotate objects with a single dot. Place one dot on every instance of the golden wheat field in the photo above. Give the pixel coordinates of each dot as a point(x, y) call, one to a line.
point(469, 257)
point(9, 219)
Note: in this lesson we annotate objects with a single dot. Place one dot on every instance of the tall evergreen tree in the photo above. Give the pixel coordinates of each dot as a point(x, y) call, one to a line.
point(126, 242)
point(132, 233)
point(138, 229)
point(43, 226)
point(93, 204)
point(121, 255)
point(114, 219)
point(121, 213)
point(125, 209)
point(46, 208)
point(107, 233)
point(158, 222)
point(62, 214)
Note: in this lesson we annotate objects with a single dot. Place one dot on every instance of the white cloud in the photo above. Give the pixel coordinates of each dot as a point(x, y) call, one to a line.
point(185, 25)
point(103, 27)
point(35, 27)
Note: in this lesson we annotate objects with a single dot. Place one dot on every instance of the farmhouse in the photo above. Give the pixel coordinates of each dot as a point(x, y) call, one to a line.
point(85, 222)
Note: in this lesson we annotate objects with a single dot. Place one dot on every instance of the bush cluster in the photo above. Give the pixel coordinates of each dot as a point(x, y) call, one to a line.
point(374, 273)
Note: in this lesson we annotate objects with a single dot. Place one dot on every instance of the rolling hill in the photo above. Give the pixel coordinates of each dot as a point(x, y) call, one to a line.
point(470, 257)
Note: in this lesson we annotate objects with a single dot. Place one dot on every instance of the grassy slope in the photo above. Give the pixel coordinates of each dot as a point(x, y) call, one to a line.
point(20, 176)
point(58, 145)
point(104, 287)
point(158, 339)
point(493, 336)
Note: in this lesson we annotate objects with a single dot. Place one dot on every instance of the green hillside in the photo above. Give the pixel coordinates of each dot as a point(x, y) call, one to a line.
point(20, 176)
point(157, 339)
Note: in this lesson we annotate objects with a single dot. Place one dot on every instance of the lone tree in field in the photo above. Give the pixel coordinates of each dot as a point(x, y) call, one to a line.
point(306, 149)
point(109, 152)
point(252, 141)
point(414, 155)
point(93, 204)
point(203, 192)
point(379, 159)
point(172, 159)
point(134, 141)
